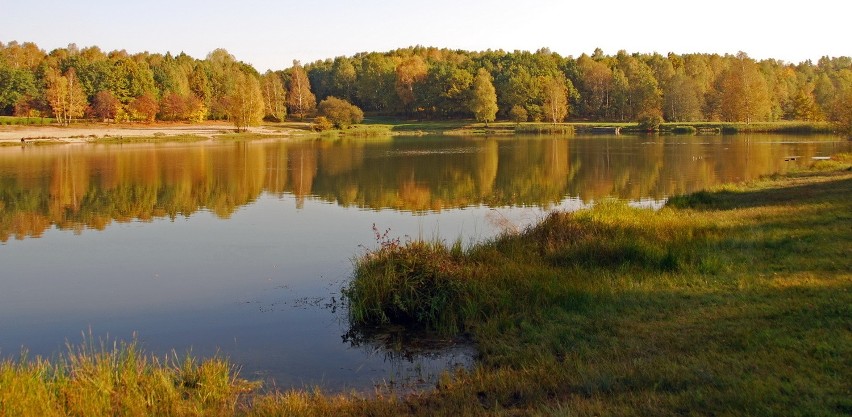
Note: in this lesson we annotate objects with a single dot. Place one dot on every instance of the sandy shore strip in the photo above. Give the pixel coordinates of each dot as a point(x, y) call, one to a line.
point(83, 134)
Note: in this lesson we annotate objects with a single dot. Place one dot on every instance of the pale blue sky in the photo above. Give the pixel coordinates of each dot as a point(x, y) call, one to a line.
point(271, 34)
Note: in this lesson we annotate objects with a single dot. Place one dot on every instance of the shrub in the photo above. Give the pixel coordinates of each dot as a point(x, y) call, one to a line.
point(321, 124)
point(518, 114)
point(650, 120)
point(340, 112)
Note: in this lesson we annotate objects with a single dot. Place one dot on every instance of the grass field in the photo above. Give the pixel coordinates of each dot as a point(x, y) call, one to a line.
point(25, 121)
point(730, 301)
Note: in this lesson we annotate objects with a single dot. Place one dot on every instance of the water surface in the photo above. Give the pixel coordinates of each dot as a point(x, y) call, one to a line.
point(240, 248)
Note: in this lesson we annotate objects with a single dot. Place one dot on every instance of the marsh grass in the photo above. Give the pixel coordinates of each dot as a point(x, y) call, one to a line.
point(731, 301)
point(545, 129)
point(109, 379)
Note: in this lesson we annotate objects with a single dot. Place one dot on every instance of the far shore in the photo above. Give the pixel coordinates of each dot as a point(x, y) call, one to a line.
point(85, 133)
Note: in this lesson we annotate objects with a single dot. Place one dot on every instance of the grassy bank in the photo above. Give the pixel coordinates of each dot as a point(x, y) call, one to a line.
point(782, 127)
point(731, 301)
point(469, 127)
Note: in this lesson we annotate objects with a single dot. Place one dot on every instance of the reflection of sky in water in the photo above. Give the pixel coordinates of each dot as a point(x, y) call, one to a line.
point(256, 287)
point(262, 286)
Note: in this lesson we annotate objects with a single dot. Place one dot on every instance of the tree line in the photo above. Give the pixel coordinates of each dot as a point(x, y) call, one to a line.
point(424, 83)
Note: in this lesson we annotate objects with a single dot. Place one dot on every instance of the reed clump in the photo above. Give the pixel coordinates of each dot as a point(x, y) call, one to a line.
point(545, 129)
point(102, 379)
point(415, 283)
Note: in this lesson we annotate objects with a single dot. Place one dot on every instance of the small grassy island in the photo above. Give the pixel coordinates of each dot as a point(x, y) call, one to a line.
point(734, 300)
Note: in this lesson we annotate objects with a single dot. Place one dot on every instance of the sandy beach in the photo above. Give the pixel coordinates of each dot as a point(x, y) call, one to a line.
point(86, 133)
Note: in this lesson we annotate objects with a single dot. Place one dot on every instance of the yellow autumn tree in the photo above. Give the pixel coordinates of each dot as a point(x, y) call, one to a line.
point(300, 98)
point(245, 104)
point(483, 102)
point(65, 95)
point(745, 95)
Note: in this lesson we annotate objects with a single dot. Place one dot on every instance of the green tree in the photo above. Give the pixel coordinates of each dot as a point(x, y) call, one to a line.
point(14, 84)
point(340, 112)
point(300, 98)
point(643, 93)
point(343, 77)
point(681, 99)
point(518, 114)
point(446, 90)
point(841, 113)
point(375, 85)
point(595, 87)
point(483, 102)
point(245, 104)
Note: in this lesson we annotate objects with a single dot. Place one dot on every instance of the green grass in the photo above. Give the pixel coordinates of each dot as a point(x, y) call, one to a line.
point(461, 126)
point(359, 131)
point(782, 127)
point(25, 121)
point(730, 301)
point(545, 128)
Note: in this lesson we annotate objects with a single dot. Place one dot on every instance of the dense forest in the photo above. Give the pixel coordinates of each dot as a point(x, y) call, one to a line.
point(424, 83)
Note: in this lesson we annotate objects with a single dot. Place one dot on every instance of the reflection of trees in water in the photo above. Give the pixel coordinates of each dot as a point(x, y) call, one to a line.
point(92, 186)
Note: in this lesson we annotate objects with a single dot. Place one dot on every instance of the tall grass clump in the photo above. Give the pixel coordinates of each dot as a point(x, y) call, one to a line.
point(684, 130)
point(416, 283)
point(118, 379)
point(544, 129)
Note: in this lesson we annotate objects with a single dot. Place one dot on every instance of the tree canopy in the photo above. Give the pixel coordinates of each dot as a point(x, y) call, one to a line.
point(483, 102)
point(425, 82)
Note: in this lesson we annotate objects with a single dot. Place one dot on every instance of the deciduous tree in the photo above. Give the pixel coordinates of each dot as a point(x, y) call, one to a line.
point(745, 96)
point(245, 104)
point(555, 98)
point(483, 101)
point(144, 108)
point(410, 71)
point(105, 106)
point(274, 96)
point(300, 98)
point(65, 95)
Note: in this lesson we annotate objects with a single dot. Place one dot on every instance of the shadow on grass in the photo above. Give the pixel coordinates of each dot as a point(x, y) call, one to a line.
point(830, 190)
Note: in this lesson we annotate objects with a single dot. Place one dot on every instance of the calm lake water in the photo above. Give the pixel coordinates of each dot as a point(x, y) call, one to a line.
point(241, 248)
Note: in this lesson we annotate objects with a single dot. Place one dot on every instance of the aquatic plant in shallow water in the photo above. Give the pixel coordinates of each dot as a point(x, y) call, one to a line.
point(414, 282)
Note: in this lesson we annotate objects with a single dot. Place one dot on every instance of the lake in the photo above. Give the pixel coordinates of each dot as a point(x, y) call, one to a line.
point(240, 248)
